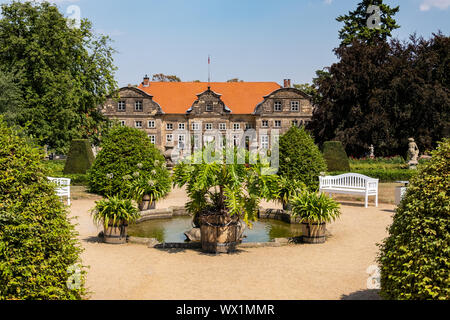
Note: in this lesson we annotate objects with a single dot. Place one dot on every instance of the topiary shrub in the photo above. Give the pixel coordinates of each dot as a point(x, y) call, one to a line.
point(38, 245)
point(415, 258)
point(80, 157)
point(126, 154)
point(300, 158)
point(335, 156)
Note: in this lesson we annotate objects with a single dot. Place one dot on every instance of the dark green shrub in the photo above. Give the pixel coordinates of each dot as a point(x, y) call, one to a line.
point(126, 153)
point(415, 258)
point(80, 157)
point(335, 156)
point(300, 158)
point(388, 175)
point(37, 242)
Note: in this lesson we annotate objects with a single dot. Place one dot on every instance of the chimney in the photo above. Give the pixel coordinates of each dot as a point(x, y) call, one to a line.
point(146, 81)
point(287, 83)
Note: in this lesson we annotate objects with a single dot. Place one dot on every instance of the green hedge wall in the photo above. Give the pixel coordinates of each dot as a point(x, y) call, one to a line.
point(415, 258)
point(80, 157)
point(38, 244)
point(335, 156)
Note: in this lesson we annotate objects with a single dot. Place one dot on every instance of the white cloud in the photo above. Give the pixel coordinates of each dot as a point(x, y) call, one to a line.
point(328, 1)
point(429, 4)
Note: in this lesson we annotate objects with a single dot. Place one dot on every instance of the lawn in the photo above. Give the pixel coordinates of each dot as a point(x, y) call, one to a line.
point(55, 169)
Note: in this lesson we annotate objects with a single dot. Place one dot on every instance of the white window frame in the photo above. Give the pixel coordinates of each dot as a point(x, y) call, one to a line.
point(265, 123)
point(208, 126)
point(264, 140)
point(138, 103)
point(222, 126)
point(295, 123)
point(169, 126)
point(151, 124)
point(152, 138)
point(121, 106)
point(169, 137)
point(236, 140)
point(278, 106)
point(295, 106)
point(195, 126)
point(277, 123)
point(249, 126)
point(181, 126)
point(236, 126)
point(136, 124)
point(181, 139)
point(122, 123)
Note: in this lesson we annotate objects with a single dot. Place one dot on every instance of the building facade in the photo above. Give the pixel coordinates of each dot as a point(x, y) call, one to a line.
point(186, 115)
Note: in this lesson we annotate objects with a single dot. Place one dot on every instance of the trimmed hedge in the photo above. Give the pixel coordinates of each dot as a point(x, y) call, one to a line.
point(80, 157)
point(38, 244)
point(335, 156)
point(390, 175)
point(126, 153)
point(415, 258)
point(300, 158)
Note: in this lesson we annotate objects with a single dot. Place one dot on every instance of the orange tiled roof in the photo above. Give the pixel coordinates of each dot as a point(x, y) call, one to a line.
point(240, 97)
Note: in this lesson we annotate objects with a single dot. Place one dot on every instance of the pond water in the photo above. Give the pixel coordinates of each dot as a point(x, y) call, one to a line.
point(172, 230)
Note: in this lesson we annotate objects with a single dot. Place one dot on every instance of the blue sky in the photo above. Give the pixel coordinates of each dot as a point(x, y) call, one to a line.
point(253, 40)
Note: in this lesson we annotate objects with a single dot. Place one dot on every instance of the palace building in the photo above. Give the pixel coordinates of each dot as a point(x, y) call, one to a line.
point(177, 114)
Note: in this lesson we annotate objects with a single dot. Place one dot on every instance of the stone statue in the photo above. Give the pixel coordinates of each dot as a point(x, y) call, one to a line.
point(168, 155)
point(413, 153)
point(372, 152)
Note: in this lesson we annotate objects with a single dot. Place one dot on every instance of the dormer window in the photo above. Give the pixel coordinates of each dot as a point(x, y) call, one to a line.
point(277, 106)
point(209, 106)
point(138, 106)
point(121, 106)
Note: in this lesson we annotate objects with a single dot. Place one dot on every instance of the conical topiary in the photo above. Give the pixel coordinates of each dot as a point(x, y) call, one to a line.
point(80, 157)
point(335, 156)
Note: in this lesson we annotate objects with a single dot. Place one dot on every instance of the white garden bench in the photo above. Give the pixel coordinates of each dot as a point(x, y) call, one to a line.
point(350, 183)
point(62, 187)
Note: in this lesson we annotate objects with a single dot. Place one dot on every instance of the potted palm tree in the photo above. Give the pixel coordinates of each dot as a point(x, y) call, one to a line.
point(287, 190)
point(222, 196)
point(315, 211)
point(115, 214)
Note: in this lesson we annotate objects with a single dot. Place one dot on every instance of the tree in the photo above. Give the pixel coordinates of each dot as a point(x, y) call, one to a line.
point(300, 159)
point(63, 73)
point(160, 77)
point(126, 153)
point(235, 80)
point(11, 99)
point(39, 250)
point(383, 93)
point(414, 258)
point(357, 23)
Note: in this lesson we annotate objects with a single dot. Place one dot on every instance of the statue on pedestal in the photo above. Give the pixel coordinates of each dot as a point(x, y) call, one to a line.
point(372, 152)
point(413, 154)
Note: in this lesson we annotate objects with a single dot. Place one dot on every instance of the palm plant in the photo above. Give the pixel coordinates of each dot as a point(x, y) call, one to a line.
point(315, 208)
point(232, 190)
point(114, 212)
point(289, 189)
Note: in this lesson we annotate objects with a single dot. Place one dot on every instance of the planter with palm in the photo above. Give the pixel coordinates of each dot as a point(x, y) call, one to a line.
point(115, 215)
point(222, 195)
point(315, 211)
